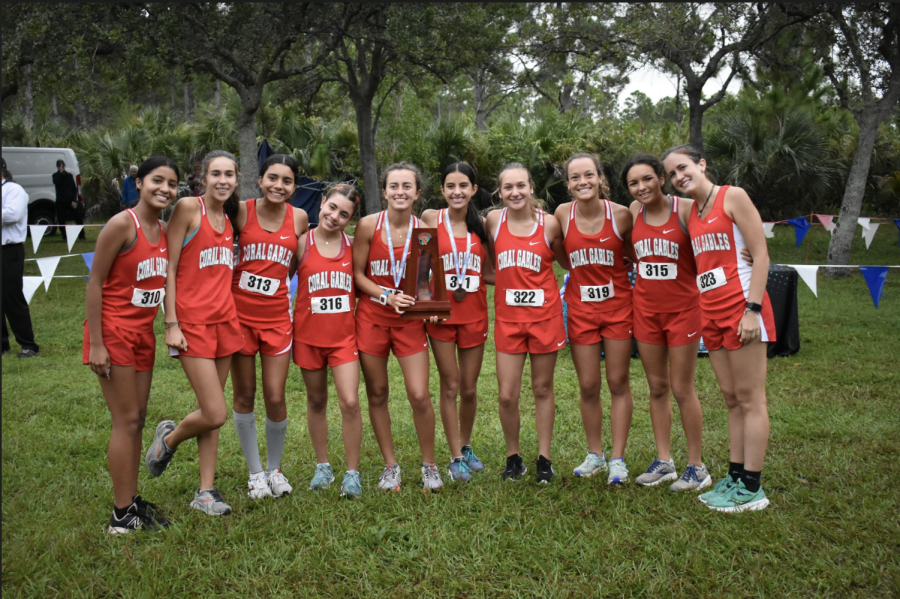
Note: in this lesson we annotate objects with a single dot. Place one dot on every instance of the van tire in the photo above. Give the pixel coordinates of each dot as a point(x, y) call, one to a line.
point(43, 216)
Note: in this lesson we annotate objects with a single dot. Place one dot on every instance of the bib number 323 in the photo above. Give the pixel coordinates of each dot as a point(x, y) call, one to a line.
point(525, 297)
point(258, 284)
point(711, 279)
point(147, 298)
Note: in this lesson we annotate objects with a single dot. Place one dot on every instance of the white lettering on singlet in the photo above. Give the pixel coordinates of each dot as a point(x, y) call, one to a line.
point(653, 246)
point(333, 279)
point(152, 267)
point(474, 264)
point(520, 258)
point(215, 256)
point(267, 251)
point(588, 256)
point(710, 242)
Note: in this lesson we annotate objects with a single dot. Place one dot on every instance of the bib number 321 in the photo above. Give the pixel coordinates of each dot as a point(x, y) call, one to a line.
point(711, 279)
point(147, 298)
point(258, 284)
point(525, 297)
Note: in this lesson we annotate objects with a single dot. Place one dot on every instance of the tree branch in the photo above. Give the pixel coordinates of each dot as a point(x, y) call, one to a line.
point(380, 104)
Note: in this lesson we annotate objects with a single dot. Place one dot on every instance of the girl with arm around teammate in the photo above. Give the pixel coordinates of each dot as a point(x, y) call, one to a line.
point(126, 286)
point(737, 321)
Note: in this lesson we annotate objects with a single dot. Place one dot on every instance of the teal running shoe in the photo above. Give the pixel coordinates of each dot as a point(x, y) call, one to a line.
point(723, 486)
point(618, 472)
point(739, 499)
point(352, 484)
point(475, 464)
point(591, 465)
point(323, 477)
point(459, 470)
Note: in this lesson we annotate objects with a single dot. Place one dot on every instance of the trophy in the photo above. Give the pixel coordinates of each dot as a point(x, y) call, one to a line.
point(429, 285)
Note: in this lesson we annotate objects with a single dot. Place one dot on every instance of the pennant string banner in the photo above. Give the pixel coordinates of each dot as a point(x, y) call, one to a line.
point(875, 278)
point(29, 286)
point(808, 274)
point(72, 234)
point(869, 233)
point(768, 230)
point(37, 234)
point(48, 267)
point(801, 227)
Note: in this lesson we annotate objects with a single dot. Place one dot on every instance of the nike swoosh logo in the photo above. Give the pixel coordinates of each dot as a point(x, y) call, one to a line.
point(355, 353)
point(163, 249)
point(345, 263)
point(534, 243)
point(425, 345)
point(560, 344)
point(228, 239)
point(712, 219)
point(288, 237)
point(606, 239)
point(665, 232)
point(692, 334)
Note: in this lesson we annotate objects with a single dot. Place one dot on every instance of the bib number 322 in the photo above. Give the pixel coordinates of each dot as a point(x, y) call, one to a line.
point(147, 298)
point(711, 279)
point(525, 297)
point(258, 284)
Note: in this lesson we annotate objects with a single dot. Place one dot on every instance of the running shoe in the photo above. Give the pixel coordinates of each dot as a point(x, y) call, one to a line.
point(159, 455)
point(694, 478)
point(431, 478)
point(352, 484)
point(150, 514)
point(723, 486)
point(459, 470)
point(258, 486)
point(278, 483)
point(323, 477)
point(515, 468)
point(389, 480)
point(618, 472)
point(210, 501)
point(544, 470)
point(130, 522)
point(475, 464)
point(658, 472)
point(739, 499)
point(591, 465)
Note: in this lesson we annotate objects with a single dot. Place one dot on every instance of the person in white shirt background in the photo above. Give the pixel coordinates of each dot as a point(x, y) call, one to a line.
point(15, 308)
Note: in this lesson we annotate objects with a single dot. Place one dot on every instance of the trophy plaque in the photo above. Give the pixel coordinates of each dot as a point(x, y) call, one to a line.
point(428, 286)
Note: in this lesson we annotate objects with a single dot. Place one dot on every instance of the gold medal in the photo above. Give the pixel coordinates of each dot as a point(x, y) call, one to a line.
point(459, 294)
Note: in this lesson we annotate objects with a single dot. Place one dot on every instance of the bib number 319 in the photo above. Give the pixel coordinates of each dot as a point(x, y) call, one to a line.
point(597, 293)
point(147, 298)
point(711, 279)
point(525, 297)
point(258, 284)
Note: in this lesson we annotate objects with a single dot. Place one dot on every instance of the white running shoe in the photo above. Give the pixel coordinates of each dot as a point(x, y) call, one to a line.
point(618, 472)
point(258, 486)
point(278, 483)
point(431, 478)
point(591, 465)
point(210, 501)
point(389, 480)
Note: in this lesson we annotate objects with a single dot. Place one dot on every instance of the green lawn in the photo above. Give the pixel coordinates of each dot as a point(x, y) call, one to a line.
point(830, 474)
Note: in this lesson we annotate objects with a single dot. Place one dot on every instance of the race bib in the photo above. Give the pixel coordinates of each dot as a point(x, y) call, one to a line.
point(258, 284)
point(597, 293)
point(525, 297)
point(711, 279)
point(658, 271)
point(147, 298)
point(393, 292)
point(330, 305)
point(468, 282)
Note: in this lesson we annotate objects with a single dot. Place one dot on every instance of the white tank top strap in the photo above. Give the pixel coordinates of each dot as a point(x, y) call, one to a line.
point(137, 222)
point(674, 204)
point(202, 206)
point(500, 224)
point(346, 239)
point(609, 215)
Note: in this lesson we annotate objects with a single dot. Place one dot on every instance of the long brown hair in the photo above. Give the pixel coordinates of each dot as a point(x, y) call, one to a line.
point(231, 204)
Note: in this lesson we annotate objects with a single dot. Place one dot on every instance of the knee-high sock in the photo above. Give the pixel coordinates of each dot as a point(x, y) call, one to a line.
point(275, 433)
point(245, 424)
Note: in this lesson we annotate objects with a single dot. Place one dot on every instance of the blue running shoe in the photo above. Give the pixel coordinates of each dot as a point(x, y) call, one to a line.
point(475, 464)
point(352, 484)
point(459, 470)
point(323, 477)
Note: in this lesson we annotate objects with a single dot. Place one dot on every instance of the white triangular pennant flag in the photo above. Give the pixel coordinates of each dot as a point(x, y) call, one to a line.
point(808, 274)
point(37, 234)
point(29, 286)
point(864, 223)
point(72, 232)
point(768, 228)
point(48, 267)
point(869, 233)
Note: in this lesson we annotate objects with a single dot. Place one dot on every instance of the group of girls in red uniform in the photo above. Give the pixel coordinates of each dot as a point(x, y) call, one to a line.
point(701, 265)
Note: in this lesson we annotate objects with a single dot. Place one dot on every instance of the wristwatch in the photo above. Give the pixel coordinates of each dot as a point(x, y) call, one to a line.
point(383, 298)
point(751, 307)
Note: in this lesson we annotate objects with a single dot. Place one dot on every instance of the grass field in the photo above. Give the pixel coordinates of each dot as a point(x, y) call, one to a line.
point(832, 528)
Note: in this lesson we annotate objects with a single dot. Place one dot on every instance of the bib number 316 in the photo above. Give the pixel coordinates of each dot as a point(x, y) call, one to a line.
point(711, 279)
point(330, 304)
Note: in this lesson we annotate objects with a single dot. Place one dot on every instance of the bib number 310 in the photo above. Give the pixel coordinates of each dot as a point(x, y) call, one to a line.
point(147, 298)
point(711, 279)
point(525, 297)
point(258, 284)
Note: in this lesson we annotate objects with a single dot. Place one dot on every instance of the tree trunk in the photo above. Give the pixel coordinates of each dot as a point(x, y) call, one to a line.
point(566, 100)
point(371, 187)
point(249, 151)
point(187, 101)
point(27, 98)
point(678, 114)
point(695, 114)
point(218, 94)
point(839, 247)
point(54, 109)
point(479, 103)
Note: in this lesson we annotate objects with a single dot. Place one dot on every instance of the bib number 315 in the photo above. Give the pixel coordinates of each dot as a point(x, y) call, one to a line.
point(658, 271)
point(147, 298)
point(258, 284)
point(525, 297)
point(711, 279)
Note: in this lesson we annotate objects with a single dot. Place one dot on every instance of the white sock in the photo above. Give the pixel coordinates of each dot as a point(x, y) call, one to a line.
point(245, 425)
point(275, 434)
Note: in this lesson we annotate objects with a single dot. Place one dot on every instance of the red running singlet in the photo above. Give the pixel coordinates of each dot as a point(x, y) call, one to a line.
point(260, 282)
point(323, 316)
point(667, 274)
point(378, 269)
point(135, 285)
point(598, 281)
point(474, 307)
point(203, 282)
point(723, 276)
point(526, 288)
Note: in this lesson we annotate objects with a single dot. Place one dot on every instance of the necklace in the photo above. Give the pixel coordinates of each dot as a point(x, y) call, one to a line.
point(594, 224)
point(217, 225)
point(711, 189)
point(323, 240)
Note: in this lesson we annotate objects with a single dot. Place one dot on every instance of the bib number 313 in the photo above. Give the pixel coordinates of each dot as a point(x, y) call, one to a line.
point(147, 298)
point(711, 279)
point(258, 284)
point(525, 297)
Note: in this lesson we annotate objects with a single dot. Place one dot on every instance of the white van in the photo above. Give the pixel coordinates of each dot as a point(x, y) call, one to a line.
point(33, 169)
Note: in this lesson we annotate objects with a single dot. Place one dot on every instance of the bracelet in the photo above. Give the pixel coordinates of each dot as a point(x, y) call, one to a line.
point(169, 325)
point(753, 307)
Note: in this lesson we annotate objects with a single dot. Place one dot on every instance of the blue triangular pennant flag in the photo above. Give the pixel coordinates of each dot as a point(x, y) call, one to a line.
point(801, 227)
point(897, 222)
point(88, 259)
point(875, 277)
point(293, 286)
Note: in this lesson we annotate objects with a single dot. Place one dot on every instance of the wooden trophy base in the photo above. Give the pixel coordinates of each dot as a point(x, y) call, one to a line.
point(425, 310)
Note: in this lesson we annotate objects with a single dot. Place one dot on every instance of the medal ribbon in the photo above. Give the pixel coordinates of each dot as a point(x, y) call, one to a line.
point(460, 268)
point(397, 273)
